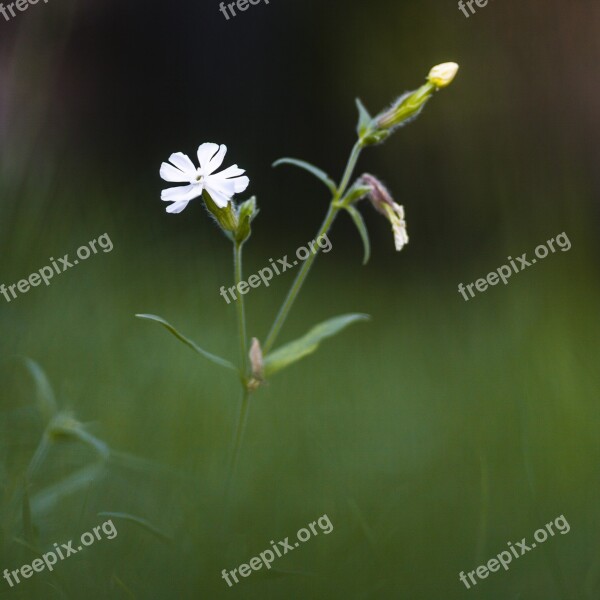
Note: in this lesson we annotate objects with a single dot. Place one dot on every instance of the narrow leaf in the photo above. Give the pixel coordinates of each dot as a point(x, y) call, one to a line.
point(318, 173)
point(212, 357)
point(138, 521)
point(362, 229)
point(47, 499)
point(364, 118)
point(46, 400)
point(75, 431)
point(307, 344)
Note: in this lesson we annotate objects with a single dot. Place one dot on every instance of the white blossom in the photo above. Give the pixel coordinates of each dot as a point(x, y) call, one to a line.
point(221, 186)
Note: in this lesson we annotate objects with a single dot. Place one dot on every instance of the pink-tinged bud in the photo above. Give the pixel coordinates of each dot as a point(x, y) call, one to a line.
point(383, 202)
point(257, 365)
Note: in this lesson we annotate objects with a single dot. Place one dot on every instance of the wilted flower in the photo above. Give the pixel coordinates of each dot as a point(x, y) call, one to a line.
point(382, 201)
point(220, 186)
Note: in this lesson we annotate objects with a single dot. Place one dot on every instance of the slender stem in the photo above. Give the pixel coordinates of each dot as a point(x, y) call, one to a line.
point(307, 264)
point(241, 311)
point(237, 445)
point(349, 169)
point(244, 405)
point(297, 285)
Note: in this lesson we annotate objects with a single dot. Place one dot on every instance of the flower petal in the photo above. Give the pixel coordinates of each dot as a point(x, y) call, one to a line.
point(241, 183)
point(170, 173)
point(205, 154)
point(183, 163)
point(177, 207)
point(181, 193)
point(224, 186)
point(219, 198)
point(232, 171)
point(231, 186)
point(216, 161)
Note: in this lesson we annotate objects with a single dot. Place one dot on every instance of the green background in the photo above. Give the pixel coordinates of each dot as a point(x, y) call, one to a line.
point(432, 435)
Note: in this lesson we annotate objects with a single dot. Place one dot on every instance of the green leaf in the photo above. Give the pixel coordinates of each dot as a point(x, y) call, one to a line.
point(307, 344)
point(318, 173)
point(212, 357)
point(364, 119)
point(46, 400)
point(138, 521)
point(47, 499)
point(65, 427)
point(362, 229)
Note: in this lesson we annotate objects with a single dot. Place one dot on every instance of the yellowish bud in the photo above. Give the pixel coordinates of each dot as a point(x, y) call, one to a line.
point(442, 75)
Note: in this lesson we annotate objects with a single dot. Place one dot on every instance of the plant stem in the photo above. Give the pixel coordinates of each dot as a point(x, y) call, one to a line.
point(307, 264)
point(241, 311)
point(297, 285)
point(237, 445)
point(350, 166)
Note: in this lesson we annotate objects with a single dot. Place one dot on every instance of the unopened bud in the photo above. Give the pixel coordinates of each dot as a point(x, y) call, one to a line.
point(442, 75)
point(245, 215)
point(406, 108)
point(383, 203)
point(257, 365)
point(409, 105)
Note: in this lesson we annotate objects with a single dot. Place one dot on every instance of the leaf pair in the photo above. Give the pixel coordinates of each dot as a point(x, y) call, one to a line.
point(282, 357)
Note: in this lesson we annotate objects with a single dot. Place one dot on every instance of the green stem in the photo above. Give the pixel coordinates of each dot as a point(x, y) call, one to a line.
point(349, 169)
point(241, 311)
point(237, 445)
point(307, 264)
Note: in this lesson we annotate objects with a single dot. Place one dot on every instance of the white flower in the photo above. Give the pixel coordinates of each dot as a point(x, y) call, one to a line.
point(221, 186)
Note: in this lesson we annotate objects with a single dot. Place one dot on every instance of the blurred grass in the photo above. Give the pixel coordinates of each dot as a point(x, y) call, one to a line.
point(431, 436)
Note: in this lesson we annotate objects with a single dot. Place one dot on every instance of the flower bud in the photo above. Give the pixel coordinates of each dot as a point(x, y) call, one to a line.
point(442, 75)
point(245, 215)
point(383, 203)
point(408, 106)
point(256, 364)
point(226, 217)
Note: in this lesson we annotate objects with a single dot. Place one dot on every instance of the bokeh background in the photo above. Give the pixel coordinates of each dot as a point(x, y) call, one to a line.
point(432, 435)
